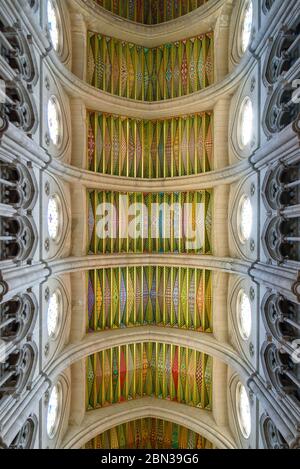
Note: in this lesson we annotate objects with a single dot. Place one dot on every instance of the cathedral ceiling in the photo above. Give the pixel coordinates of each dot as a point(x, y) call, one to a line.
point(150, 11)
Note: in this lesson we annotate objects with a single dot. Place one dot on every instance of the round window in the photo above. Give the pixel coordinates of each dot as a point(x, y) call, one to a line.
point(246, 123)
point(54, 121)
point(245, 219)
point(54, 217)
point(54, 314)
point(247, 26)
point(243, 410)
point(53, 411)
point(244, 315)
point(53, 24)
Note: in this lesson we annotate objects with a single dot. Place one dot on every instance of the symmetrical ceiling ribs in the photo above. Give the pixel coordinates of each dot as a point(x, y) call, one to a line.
point(149, 433)
point(151, 11)
point(149, 369)
point(150, 74)
point(123, 297)
point(122, 146)
point(137, 296)
point(179, 222)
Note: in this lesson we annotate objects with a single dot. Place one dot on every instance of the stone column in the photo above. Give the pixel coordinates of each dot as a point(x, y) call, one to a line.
point(13, 416)
point(79, 134)
point(293, 211)
point(18, 279)
point(219, 306)
point(7, 211)
point(221, 40)
point(79, 306)
point(284, 280)
point(78, 380)
point(220, 221)
point(281, 414)
point(79, 45)
point(79, 220)
point(219, 393)
point(221, 119)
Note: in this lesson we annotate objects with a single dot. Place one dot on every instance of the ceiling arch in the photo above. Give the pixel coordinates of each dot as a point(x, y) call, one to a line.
point(149, 433)
point(100, 420)
point(165, 371)
point(96, 342)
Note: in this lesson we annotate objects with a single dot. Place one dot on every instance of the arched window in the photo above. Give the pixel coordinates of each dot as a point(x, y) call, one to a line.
point(247, 26)
point(281, 367)
point(54, 217)
point(271, 435)
point(243, 410)
point(53, 24)
point(54, 407)
point(54, 314)
point(54, 121)
point(246, 123)
point(17, 318)
point(245, 219)
point(244, 315)
point(16, 370)
point(26, 436)
point(17, 238)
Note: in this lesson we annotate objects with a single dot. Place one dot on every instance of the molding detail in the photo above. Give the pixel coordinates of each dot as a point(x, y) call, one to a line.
point(98, 421)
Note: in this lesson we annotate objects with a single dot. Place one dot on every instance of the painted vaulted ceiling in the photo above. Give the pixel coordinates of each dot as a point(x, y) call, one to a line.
point(150, 11)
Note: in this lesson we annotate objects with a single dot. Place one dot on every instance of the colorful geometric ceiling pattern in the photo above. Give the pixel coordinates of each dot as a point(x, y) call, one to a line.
point(149, 369)
point(150, 11)
point(150, 74)
point(178, 222)
point(149, 433)
point(122, 146)
point(137, 296)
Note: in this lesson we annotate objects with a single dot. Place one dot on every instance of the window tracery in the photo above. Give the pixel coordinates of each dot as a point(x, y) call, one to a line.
point(17, 318)
point(16, 371)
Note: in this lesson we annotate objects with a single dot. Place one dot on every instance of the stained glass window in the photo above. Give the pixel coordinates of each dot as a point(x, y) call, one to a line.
point(244, 315)
point(53, 314)
point(243, 410)
point(53, 217)
point(53, 24)
point(247, 26)
point(246, 119)
point(245, 219)
point(53, 411)
point(54, 120)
